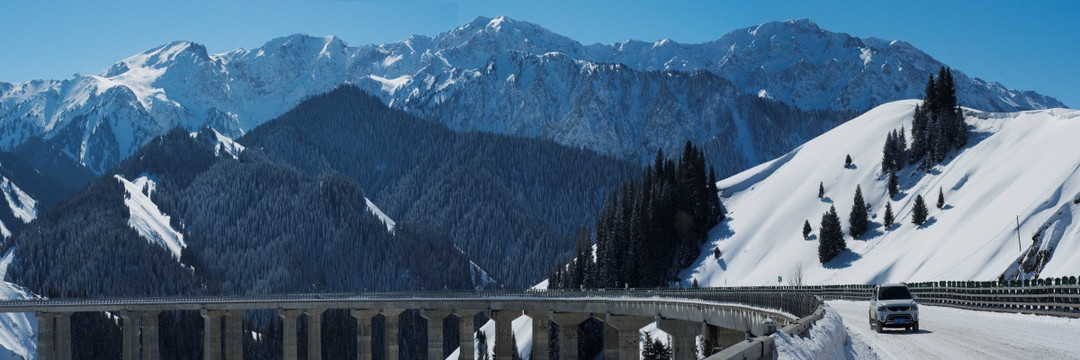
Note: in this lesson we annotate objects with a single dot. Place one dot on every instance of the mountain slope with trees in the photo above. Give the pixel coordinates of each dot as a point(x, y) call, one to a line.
point(511, 203)
point(1012, 164)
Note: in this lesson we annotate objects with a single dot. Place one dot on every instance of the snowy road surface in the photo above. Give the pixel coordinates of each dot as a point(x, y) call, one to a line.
point(947, 333)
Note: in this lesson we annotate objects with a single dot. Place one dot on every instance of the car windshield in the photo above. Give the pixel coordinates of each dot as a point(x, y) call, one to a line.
point(894, 293)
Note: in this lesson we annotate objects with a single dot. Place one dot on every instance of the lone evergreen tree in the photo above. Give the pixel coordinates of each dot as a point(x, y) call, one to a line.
point(889, 218)
point(821, 190)
point(831, 238)
point(806, 229)
point(919, 212)
point(894, 184)
point(940, 198)
point(858, 219)
point(847, 162)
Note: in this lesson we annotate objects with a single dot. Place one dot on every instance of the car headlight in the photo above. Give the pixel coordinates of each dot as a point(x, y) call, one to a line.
point(914, 306)
point(881, 308)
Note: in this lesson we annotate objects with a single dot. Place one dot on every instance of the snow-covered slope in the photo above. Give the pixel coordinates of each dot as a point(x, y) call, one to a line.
point(146, 218)
point(23, 207)
point(1021, 164)
point(17, 330)
point(539, 76)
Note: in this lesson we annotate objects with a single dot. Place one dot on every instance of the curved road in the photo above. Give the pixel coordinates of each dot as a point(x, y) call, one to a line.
point(948, 333)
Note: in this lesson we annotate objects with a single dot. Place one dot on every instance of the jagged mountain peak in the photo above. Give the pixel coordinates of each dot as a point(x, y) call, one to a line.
point(161, 57)
point(801, 26)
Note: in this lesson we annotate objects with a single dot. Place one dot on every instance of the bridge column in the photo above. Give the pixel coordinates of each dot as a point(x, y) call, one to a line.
point(724, 337)
point(541, 325)
point(683, 337)
point(568, 329)
point(288, 333)
point(467, 334)
point(435, 333)
point(627, 331)
point(504, 333)
point(391, 330)
point(611, 342)
point(150, 336)
point(46, 346)
point(131, 334)
point(211, 334)
point(314, 333)
point(363, 332)
point(63, 336)
point(234, 334)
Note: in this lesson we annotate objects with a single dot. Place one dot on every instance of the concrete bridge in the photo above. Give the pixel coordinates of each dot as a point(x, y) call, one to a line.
point(721, 316)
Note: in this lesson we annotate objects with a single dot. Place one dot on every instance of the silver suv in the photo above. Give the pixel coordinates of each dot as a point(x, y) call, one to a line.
point(892, 305)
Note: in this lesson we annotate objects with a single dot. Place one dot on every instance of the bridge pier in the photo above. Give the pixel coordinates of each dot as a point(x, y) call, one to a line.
point(541, 327)
point(363, 332)
point(435, 333)
point(46, 345)
point(683, 337)
point(314, 333)
point(724, 337)
point(568, 329)
point(391, 331)
point(211, 335)
point(149, 334)
point(288, 333)
point(504, 332)
point(627, 331)
point(467, 334)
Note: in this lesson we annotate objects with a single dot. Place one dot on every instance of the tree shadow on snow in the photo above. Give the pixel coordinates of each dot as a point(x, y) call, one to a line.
point(931, 221)
point(844, 260)
point(722, 263)
point(812, 237)
point(873, 230)
point(947, 207)
point(826, 200)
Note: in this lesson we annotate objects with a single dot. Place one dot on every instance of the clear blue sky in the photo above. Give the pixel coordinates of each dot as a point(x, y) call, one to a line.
point(1029, 45)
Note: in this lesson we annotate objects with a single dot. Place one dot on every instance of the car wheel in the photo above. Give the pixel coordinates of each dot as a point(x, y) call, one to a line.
point(915, 328)
point(879, 328)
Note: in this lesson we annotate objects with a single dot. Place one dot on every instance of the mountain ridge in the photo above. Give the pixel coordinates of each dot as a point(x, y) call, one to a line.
point(180, 84)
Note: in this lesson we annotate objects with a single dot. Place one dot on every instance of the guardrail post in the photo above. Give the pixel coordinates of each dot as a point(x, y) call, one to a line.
point(568, 329)
point(541, 326)
point(435, 333)
point(363, 332)
point(288, 333)
point(211, 334)
point(684, 337)
point(391, 331)
point(150, 336)
point(46, 347)
point(627, 331)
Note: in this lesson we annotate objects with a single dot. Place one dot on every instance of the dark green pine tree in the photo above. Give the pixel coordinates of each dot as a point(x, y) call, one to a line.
point(940, 198)
point(894, 184)
point(821, 190)
point(847, 161)
point(831, 236)
point(806, 229)
point(888, 153)
point(889, 218)
point(919, 213)
point(858, 220)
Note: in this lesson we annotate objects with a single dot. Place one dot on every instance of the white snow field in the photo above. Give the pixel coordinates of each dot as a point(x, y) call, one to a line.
point(145, 216)
point(947, 333)
point(1022, 164)
point(17, 330)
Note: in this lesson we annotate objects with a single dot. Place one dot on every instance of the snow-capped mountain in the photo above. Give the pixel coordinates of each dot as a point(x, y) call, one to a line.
point(1018, 167)
point(512, 76)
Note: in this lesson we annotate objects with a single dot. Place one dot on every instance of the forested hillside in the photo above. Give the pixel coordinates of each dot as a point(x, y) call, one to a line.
point(512, 204)
point(250, 226)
